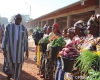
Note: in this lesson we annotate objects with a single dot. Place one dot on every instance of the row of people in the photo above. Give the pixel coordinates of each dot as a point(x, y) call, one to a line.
point(83, 36)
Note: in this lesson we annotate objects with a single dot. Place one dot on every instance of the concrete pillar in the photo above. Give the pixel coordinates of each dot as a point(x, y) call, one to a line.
point(55, 20)
point(41, 24)
point(28, 24)
point(38, 24)
point(97, 11)
point(47, 22)
point(68, 21)
point(99, 6)
point(34, 25)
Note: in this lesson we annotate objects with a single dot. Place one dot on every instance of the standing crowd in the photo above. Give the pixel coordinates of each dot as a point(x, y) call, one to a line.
point(58, 53)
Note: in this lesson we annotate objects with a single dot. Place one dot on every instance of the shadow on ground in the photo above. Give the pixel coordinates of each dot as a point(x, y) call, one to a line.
point(2, 75)
point(27, 76)
point(29, 61)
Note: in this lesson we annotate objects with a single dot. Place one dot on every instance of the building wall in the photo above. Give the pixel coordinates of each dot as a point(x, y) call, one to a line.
point(67, 16)
point(50, 22)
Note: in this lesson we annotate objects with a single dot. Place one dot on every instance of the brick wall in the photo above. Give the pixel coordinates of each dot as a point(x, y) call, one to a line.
point(88, 3)
point(75, 7)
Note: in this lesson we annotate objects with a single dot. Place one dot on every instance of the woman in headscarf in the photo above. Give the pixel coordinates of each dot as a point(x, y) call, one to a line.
point(56, 31)
point(80, 27)
point(51, 63)
point(59, 72)
point(48, 29)
point(92, 41)
point(93, 33)
point(45, 31)
point(75, 41)
point(71, 34)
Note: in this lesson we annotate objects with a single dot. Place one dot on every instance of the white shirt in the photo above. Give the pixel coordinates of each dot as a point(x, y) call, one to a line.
point(16, 31)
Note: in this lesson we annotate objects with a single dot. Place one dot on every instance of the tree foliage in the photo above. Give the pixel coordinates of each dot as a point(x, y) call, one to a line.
point(3, 20)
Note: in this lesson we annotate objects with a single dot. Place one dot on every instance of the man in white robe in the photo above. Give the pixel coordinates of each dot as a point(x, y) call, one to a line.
point(14, 44)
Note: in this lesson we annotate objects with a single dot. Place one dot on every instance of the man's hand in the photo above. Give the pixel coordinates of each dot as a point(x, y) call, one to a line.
point(5, 53)
point(27, 54)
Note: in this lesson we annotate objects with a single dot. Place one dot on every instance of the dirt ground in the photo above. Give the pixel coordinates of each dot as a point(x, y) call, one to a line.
point(29, 70)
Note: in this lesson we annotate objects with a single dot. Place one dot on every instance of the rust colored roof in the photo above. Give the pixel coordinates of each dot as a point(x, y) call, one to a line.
point(72, 7)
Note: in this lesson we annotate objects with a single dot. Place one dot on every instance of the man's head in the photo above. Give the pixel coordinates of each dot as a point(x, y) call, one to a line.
point(18, 19)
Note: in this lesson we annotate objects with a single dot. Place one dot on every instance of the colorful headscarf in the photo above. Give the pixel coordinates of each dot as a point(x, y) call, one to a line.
point(57, 27)
point(44, 29)
point(49, 27)
point(71, 30)
point(94, 20)
point(80, 24)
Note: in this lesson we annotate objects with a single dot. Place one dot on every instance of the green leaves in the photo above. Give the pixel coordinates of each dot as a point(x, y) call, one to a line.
point(44, 40)
point(93, 75)
point(86, 60)
point(58, 42)
point(37, 29)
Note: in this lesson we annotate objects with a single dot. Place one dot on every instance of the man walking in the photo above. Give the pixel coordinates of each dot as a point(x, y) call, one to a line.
point(14, 44)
